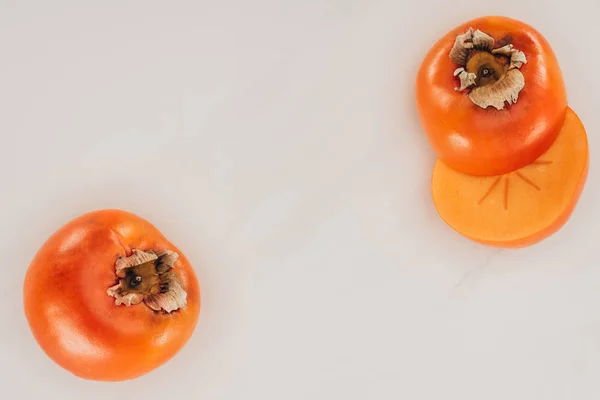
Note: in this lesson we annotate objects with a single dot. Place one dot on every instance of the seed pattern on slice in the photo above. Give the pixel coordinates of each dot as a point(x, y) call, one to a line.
point(506, 178)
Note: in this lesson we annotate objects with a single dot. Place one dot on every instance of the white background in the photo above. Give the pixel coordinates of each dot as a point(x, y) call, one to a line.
point(277, 144)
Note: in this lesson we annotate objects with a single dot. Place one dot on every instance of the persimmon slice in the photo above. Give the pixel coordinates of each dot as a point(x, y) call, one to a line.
point(519, 208)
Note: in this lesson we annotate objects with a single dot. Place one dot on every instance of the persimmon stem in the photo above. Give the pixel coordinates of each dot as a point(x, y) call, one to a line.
point(147, 276)
point(490, 74)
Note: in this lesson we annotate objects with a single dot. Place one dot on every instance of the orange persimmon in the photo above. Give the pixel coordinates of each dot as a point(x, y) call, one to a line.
point(109, 298)
point(490, 96)
point(522, 207)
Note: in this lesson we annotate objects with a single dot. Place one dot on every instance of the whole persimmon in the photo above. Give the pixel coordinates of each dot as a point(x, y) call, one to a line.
point(109, 298)
point(491, 96)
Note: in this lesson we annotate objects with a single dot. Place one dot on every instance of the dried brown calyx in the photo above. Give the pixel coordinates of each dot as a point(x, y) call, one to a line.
point(491, 75)
point(147, 276)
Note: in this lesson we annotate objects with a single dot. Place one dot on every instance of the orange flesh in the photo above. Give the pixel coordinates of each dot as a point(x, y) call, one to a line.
point(520, 208)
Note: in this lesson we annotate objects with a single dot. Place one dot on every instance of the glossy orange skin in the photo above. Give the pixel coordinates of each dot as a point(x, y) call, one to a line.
point(75, 321)
point(483, 142)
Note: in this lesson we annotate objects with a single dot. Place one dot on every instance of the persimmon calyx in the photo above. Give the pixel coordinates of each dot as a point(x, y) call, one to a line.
point(491, 75)
point(147, 276)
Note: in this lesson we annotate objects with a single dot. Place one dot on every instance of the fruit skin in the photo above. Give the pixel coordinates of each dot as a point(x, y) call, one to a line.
point(570, 145)
point(488, 141)
point(74, 320)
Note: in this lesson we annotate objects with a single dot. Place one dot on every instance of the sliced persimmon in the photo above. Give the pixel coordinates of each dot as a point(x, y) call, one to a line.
point(522, 207)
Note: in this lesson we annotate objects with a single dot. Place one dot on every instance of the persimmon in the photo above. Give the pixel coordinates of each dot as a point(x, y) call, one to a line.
point(522, 207)
point(491, 96)
point(109, 298)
